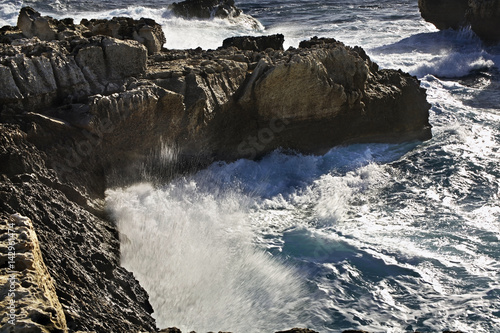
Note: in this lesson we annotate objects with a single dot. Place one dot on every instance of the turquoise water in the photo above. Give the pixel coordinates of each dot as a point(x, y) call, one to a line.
point(386, 238)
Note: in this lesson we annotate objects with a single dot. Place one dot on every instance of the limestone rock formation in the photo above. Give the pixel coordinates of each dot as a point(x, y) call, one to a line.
point(29, 296)
point(80, 249)
point(38, 74)
point(482, 15)
point(146, 31)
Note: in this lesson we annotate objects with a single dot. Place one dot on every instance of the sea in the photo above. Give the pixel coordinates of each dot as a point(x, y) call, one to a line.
point(379, 237)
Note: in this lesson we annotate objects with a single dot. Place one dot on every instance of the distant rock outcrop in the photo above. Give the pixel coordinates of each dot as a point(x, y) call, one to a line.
point(482, 15)
point(444, 14)
point(77, 110)
point(145, 31)
point(205, 9)
point(484, 18)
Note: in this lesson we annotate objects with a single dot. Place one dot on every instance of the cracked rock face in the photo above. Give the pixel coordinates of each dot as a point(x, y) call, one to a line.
point(28, 292)
point(79, 249)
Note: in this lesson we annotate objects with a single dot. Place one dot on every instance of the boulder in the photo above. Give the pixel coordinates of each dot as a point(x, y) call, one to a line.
point(260, 43)
point(32, 23)
point(205, 9)
point(145, 31)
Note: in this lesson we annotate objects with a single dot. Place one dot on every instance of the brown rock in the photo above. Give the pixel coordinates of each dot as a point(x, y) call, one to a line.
point(32, 23)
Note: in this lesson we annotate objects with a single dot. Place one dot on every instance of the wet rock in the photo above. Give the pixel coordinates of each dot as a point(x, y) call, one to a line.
point(260, 43)
point(205, 9)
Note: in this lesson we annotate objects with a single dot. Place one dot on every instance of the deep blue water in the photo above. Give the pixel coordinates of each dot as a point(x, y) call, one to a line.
point(386, 238)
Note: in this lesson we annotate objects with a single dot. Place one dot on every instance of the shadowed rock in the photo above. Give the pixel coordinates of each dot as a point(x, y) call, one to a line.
point(484, 18)
point(205, 9)
point(444, 14)
point(482, 15)
point(260, 43)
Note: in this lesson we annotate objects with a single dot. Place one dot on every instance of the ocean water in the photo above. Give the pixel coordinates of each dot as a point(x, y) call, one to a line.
point(380, 237)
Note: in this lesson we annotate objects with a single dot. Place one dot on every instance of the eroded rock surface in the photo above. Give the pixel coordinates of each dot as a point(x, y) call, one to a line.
point(146, 31)
point(80, 249)
point(28, 294)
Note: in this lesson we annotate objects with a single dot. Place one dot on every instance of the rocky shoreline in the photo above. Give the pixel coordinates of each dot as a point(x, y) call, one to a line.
point(81, 103)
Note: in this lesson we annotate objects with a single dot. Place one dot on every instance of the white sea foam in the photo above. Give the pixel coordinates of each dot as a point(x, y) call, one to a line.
point(191, 249)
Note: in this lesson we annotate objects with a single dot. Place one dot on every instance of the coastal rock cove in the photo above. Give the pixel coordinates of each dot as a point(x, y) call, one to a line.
point(92, 111)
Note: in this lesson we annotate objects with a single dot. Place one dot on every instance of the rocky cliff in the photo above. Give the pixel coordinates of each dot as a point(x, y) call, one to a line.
point(80, 107)
point(482, 15)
